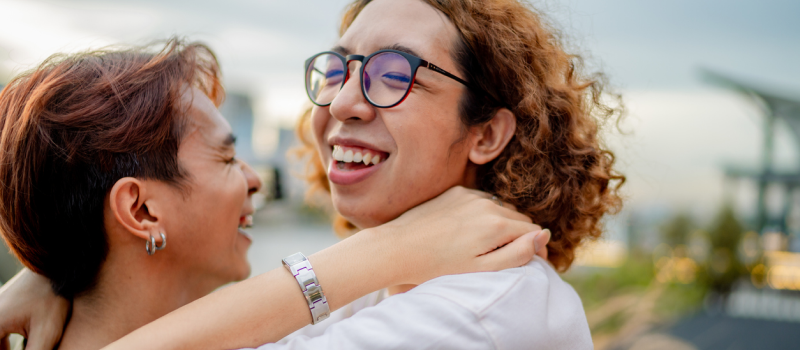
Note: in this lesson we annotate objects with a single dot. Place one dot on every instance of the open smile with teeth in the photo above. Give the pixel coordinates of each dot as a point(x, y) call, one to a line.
point(246, 222)
point(356, 155)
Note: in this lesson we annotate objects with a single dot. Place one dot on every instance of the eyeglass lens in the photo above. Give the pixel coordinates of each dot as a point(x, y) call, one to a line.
point(324, 78)
point(386, 81)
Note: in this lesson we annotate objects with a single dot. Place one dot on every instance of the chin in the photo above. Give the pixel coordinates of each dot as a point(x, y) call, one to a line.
point(242, 272)
point(364, 213)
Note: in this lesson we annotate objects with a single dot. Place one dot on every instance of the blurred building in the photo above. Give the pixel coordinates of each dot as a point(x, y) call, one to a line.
point(238, 110)
point(778, 111)
point(777, 232)
point(289, 169)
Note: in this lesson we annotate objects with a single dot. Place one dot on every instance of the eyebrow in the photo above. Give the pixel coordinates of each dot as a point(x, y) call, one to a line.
point(341, 49)
point(401, 48)
point(397, 47)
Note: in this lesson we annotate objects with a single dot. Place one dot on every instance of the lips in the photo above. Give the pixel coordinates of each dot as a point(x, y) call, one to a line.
point(354, 161)
point(246, 221)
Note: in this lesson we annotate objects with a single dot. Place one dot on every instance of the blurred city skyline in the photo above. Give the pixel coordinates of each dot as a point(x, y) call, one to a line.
point(678, 132)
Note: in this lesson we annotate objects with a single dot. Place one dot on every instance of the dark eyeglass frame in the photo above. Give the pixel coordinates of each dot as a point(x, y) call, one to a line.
point(413, 61)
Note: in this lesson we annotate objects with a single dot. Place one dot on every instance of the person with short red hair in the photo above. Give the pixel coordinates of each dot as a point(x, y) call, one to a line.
point(121, 186)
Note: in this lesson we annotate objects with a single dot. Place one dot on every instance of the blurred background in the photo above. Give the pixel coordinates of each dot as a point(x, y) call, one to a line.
point(705, 254)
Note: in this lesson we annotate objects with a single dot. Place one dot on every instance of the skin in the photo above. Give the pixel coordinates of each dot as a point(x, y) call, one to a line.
point(430, 152)
point(429, 148)
point(456, 232)
point(201, 222)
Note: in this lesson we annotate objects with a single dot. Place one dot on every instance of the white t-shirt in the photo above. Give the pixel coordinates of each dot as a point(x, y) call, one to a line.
point(528, 307)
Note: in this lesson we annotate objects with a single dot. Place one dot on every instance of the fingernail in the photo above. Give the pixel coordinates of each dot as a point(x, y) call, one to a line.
point(541, 239)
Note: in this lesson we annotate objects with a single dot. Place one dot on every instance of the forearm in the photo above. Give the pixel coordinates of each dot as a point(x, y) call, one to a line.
point(457, 232)
point(270, 306)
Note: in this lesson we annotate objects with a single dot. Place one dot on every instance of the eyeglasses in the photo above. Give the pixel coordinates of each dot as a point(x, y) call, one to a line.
point(386, 76)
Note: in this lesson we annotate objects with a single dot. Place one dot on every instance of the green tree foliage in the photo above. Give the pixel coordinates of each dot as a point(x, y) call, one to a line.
point(724, 267)
point(676, 231)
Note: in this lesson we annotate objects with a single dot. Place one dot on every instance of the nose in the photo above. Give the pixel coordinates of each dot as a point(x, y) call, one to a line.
point(349, 105)
point(253, 182)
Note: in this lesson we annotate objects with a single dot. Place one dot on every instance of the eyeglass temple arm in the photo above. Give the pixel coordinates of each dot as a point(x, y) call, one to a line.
point(435, 68)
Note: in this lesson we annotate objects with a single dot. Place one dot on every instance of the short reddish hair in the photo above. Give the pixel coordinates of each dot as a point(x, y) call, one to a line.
point(74, 126)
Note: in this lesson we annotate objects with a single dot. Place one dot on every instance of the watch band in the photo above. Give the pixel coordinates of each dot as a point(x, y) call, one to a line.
point(300, 268)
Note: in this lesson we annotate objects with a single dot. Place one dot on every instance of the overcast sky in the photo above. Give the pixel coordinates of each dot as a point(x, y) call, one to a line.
point(681, 128)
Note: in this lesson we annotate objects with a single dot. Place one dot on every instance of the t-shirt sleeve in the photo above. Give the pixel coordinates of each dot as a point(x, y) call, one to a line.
point(406, 321)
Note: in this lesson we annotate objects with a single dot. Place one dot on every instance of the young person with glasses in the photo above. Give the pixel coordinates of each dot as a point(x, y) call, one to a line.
point(121, 186)
point(420, 96)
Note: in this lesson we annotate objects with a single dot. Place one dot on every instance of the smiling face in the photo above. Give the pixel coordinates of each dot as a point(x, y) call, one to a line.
point(420, 143)
point(204, 223)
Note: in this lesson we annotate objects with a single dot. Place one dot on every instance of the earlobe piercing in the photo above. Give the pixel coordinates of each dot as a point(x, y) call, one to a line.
point(151, 247)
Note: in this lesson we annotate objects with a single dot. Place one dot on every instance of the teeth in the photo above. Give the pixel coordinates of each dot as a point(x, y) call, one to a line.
point(248, 222)
point(338, 154)
point(357, 156)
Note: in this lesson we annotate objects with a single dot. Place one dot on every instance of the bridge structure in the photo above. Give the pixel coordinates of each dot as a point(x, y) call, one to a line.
point(778, 110)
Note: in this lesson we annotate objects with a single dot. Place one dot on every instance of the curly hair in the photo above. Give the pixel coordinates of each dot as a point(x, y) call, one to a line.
point(554, 169)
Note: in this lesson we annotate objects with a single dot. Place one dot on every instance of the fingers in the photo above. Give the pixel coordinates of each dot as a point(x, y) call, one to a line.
point(45, 336)
point(509, 210)
point(512, 213)
point(518, 252)
point(46, 330)
point(503, 230)
point(540, 243)
point(515, 254)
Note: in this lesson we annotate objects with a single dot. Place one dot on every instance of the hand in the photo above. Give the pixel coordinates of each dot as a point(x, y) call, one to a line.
point(463, 231)
point(29, 307)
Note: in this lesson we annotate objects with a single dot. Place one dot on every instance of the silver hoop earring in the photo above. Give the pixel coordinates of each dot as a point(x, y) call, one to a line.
point(151, 247)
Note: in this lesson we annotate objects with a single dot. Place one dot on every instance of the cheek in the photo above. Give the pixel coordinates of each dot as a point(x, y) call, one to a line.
point(431, 156)
point(435, 164)
point(219, 201)
point(430, 143)
point(233, 193)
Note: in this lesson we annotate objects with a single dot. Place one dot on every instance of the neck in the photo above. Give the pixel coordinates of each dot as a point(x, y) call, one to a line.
point(132, 290)
point(469, 181)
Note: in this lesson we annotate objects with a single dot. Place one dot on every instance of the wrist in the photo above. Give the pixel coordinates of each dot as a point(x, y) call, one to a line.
point(386, 251)
point(356, 266)
point(392, 253)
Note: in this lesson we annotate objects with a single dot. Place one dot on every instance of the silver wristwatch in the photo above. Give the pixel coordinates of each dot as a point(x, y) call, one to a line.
point(300, 268)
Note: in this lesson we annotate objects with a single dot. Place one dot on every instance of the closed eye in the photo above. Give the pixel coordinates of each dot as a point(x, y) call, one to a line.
point(398, 77)
point(333, 73)
point(334, 77)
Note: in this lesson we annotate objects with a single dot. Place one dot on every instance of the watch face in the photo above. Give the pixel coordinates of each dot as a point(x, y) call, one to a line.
point(294, 259)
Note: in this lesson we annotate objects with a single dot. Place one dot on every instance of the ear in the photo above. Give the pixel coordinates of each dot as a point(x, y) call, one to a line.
point(492, 137)
point(133, 209)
